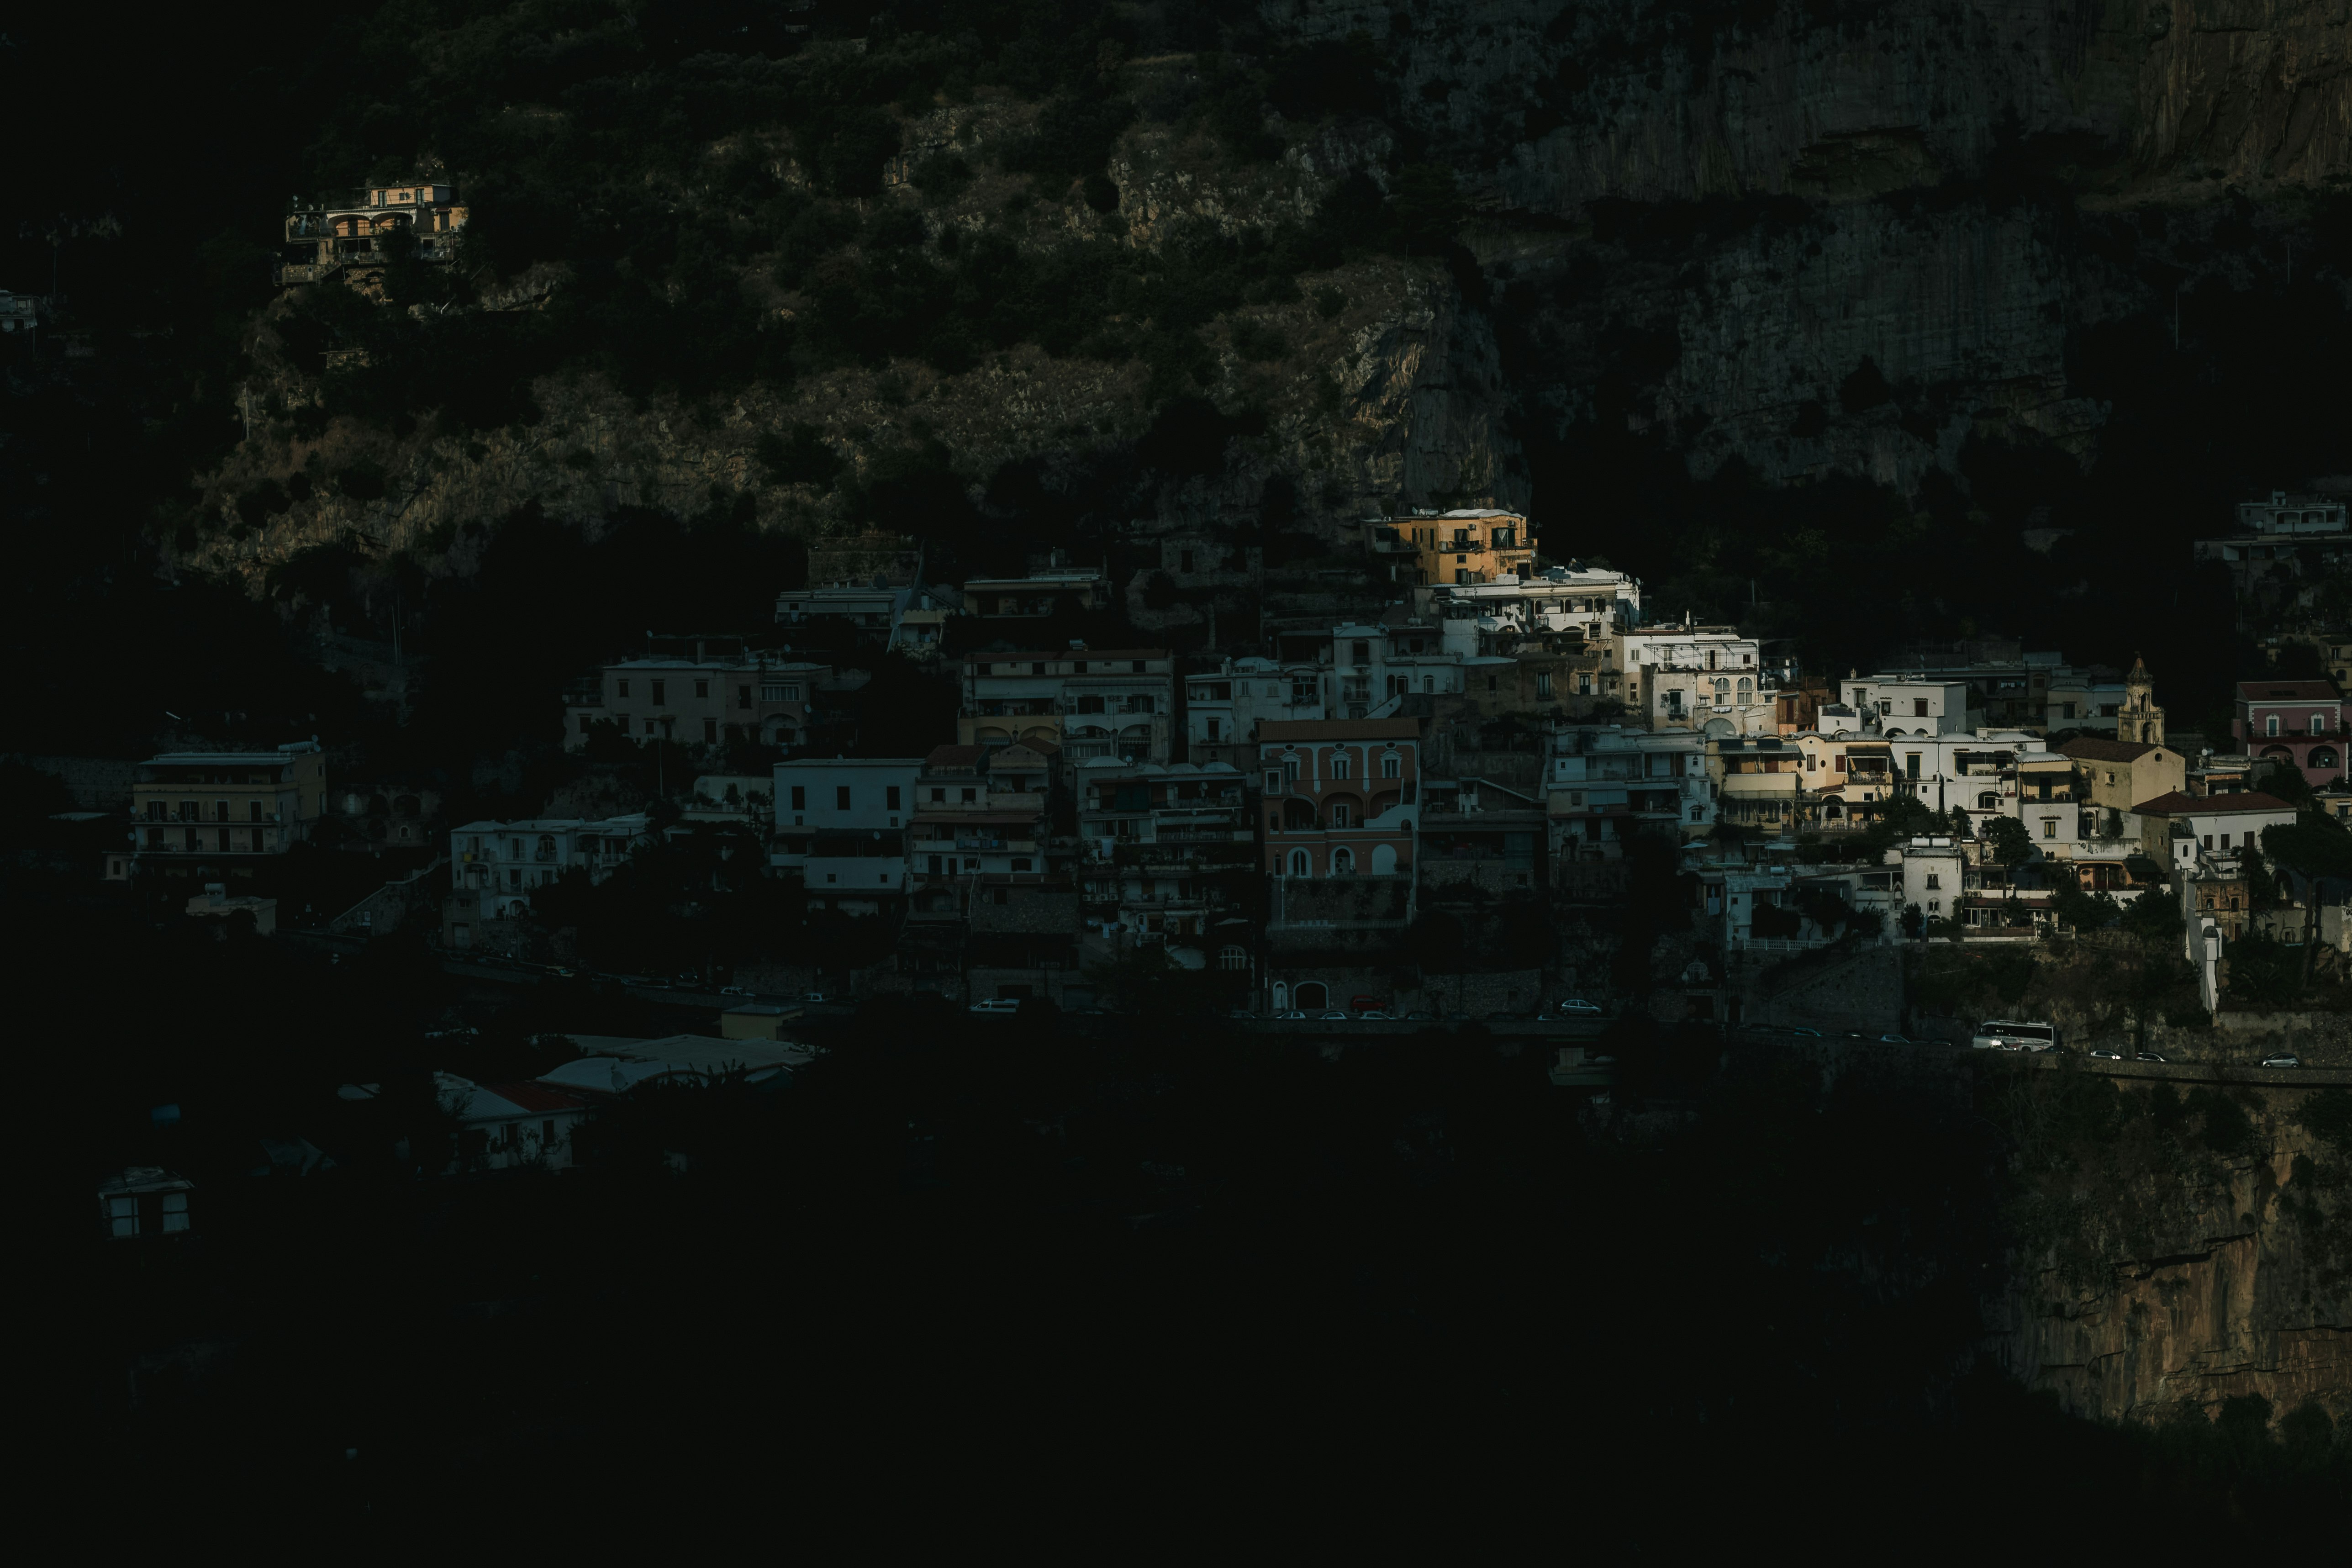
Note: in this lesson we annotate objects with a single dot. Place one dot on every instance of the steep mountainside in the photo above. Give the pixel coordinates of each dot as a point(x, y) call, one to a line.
point(2178, 1253)
point(1983, 261)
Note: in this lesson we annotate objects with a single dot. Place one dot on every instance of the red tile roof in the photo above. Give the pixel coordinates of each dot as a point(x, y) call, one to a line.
point(537, 1096)
point(2178, 805)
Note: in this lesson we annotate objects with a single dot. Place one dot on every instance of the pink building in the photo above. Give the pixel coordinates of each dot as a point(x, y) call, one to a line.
point(1341, 796)
point(2301, 720)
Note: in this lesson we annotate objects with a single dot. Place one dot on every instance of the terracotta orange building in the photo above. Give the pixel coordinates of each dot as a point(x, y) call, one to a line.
point(1341, 796)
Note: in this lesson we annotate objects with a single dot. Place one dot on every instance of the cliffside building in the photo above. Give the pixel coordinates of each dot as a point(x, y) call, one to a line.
point(2297, 721)
point(1697, 678)
point(495, 866)
point(699, 701)
point(842, 824)
point(1608, 784)
point(2283, 549)
point(1166, 850)
point(324, 236)
point(236, 804)
point(1471, 544)
point(1117, 703)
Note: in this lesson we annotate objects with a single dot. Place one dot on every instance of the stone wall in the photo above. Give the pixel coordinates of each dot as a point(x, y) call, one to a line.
point(1500, 993)
point(1833, 989)
point(2192, 1278)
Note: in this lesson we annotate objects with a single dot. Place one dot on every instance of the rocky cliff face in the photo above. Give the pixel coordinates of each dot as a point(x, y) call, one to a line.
point(1787, 191)
point(2159, 1272)
point(1816, 238)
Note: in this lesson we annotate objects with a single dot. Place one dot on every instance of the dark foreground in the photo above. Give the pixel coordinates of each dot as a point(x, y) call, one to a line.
point(1168, 1267)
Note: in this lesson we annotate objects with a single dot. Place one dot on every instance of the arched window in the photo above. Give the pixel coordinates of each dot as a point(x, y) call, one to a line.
point(1392, 766)
point(1281, 995)
point(1338, 764)
point(1300, 864)
point(1722, 690)
point(1343, 862)
point(1233, 958)
point(1747, 688)
point(2320, 757)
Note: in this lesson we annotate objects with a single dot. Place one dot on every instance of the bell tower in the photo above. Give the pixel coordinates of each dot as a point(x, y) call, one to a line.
point(2141, 718)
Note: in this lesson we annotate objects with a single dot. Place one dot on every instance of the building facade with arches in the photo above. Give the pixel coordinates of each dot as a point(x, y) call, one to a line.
point(1340, 797)
point(2297, 721)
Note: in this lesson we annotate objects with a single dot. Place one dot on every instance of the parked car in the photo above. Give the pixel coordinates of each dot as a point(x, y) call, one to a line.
point(557, 972)
point(2101, 1053)
point(1419, 1017)
point(1376, 1013)
point(1334, 1016)
point(2281, 1061)
point(733, 991)
point(998, 1006)
point(1577, 1006)
point(691, 982)
point(816, 996)
point(2149, 1056)
point(1292, 1015)
point(1900, 1040)
point(1804, 1033)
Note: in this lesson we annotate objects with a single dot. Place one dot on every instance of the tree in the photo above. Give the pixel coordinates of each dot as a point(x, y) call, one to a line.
point(2313, 846)
point(2284, 779)
point(2265, 970)
point(2011, 846)
point(2153, 917)
point(2086, 912)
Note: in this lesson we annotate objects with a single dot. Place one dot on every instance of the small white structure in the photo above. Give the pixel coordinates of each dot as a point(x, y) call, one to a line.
point(1928, 873)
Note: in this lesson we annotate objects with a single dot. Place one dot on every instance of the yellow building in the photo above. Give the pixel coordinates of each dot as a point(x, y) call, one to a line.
point(755, 1021)
point(229, 803)
point(1473, 544)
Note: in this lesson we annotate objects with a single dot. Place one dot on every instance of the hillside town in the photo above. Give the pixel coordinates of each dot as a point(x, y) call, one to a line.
point(1436, 802)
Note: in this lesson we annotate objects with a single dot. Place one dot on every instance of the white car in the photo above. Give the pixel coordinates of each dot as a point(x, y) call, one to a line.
point(1334, 1014)
point(1293, 1013)
point(1000, 1005)
point(2281, 1061)
point(1577, 1006)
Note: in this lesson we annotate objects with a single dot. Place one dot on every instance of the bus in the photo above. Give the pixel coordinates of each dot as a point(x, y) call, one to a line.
point(2012, 1035)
